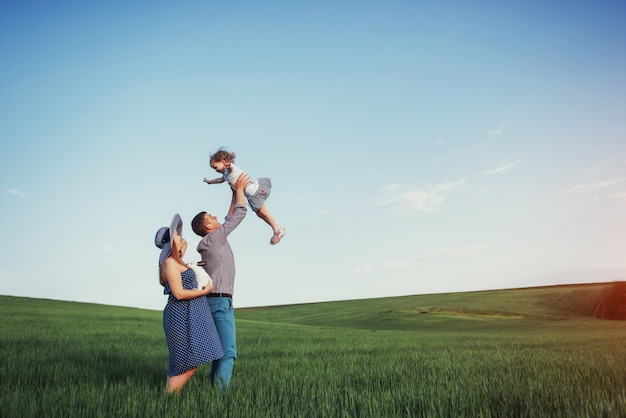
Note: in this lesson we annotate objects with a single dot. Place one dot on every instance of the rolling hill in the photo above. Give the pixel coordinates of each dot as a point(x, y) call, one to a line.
point(493, 309)
point(562, 302)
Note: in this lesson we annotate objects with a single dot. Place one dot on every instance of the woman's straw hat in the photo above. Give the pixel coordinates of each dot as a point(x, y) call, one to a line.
point(163, 238)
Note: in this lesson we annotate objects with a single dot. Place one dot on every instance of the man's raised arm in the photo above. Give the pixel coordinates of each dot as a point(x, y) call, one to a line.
point(239, 198)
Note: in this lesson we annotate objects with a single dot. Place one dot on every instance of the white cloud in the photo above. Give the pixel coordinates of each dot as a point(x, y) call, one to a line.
point(405, 200)
point(501, 168)
point(592, 187)
point(455, 152)
point(447, 187)
point(368, 268)
point(601, 166)
point(396, 264)
point(447, 252)
point(108, 249)
point(621, 196)
point(424, 257)
point(495, 132)
point(385, 265)
point(17, 192)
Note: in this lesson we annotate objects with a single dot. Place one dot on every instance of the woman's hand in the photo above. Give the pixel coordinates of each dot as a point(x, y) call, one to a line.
point(207, 289)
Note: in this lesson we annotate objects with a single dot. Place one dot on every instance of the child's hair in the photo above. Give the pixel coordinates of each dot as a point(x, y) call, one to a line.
point(223, 155)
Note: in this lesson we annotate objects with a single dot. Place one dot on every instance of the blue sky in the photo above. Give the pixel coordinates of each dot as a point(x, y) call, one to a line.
point(414, 147)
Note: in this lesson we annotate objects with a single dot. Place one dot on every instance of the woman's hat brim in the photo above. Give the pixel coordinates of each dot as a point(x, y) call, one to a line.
point(164, 237)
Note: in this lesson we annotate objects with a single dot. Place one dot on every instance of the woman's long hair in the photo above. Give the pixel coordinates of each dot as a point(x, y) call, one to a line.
point(175, 254)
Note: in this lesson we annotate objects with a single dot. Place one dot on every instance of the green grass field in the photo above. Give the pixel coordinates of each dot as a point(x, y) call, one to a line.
point(535, 352)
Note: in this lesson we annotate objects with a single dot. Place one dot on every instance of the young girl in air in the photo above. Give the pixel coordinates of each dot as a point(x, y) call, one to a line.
point(256, 192)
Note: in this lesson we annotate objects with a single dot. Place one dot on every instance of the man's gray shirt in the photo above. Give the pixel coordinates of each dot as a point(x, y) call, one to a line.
point(217, 254)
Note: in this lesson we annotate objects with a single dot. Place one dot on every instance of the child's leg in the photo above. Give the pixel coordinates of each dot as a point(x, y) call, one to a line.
point(279, 231)
point(266, 215)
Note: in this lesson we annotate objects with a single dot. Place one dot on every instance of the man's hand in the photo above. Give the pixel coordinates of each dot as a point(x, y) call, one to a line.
point(239, 197)
point(242, 181)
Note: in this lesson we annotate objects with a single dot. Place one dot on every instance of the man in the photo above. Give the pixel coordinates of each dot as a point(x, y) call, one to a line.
point(219, 262)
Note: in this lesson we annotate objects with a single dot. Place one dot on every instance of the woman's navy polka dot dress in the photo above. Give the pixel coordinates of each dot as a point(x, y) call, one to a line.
point(190, 332)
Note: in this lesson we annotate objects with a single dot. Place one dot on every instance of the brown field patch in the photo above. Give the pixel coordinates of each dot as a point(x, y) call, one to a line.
point(612, 305)
point(463, 312)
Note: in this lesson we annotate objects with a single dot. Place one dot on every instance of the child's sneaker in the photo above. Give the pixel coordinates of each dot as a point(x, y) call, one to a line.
point(278, 234)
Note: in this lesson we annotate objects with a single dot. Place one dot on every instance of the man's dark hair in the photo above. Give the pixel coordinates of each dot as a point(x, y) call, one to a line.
point(197, 224)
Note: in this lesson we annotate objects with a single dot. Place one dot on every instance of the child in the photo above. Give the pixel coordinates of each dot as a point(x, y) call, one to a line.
point(256, 192)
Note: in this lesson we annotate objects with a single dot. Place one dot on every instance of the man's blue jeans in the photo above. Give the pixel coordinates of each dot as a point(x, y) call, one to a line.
point(224, 317)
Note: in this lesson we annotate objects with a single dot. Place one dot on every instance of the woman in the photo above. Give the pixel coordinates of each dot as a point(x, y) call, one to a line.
point(190, 332)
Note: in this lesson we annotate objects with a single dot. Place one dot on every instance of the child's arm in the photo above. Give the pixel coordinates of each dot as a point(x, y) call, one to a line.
point(214, 181)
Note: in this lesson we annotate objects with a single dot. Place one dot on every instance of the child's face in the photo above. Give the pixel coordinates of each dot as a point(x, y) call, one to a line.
point(219, 166)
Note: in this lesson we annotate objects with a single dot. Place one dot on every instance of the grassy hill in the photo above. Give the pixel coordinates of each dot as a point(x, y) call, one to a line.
point(578, 301)
point(517, 352)
point(546, 303)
